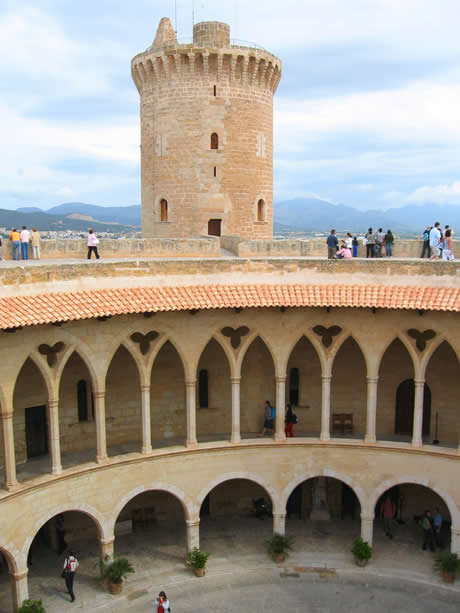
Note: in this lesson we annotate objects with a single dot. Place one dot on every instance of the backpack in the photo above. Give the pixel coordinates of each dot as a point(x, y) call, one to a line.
point(294, 419)
point(273, 413)
point(71, 564)
point(426, 236)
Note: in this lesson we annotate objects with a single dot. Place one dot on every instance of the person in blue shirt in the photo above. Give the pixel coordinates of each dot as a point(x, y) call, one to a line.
point(437, 525)
point(332, 243)
point(269, 419)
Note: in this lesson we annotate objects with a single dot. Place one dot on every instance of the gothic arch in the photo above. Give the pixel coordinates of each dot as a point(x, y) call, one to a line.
point(189, 373)
point(84, 353)
point(316, 346)
point(341, 342)
point(247, 345)
point(410, 350)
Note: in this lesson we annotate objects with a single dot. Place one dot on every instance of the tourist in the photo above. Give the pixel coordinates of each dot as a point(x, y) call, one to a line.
point(15, 238)
point(379, 238)
point(35, 242)
point(93, 242)
point(388, 512)
point(355, 247)
point(343, 253)
point(447, 253)
point(388, 242)
point(1, 248)
point(268, 419)
point(349, 241)
point(426, 242)
point(25, 238)
point(435, 241)
point(290, 420)
point(427, 526)
point(70, 567)
point(437, 526)
point(370, 243)
point(332, 243)
point(161, 604)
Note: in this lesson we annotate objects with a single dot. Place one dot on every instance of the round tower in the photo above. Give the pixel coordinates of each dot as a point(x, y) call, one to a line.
point(206, 134)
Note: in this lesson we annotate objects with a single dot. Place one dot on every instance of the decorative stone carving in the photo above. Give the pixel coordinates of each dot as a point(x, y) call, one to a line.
point(51, 352)
point(327, 334)
point(421, 338)
point(144, 340)
point(235, 334)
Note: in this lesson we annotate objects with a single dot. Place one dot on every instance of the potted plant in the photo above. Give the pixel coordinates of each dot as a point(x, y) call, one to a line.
point(32, 606)
point(448, 564)
point(114, 571)
point(362, 551)
point(196, 560)
point(278, 546)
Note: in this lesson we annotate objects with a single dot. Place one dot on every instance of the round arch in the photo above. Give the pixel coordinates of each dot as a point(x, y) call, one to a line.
point(184, 500)
point(247, 476)
point(447, 498)
point(16, 561)
point(358, 490)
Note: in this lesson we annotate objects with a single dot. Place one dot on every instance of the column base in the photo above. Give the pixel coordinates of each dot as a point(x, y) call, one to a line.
point(9, 486)
point(146, 450)
point(280, 437)
point(370, 439)
point(56, 470)
point(235, 439)
point(102, 459)
point(191, 444)
point(417, 444)
point(325, 437)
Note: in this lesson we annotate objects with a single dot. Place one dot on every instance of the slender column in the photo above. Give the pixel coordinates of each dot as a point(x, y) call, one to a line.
point(99, 404)
point(367, 528)
point(19, 588)
point(418, 413)
point(455, 541)
point(279, 523)
point(192, 534)
point(325, 408)
point(106, 550)
point(53, 435)
point(236, 424)
point(280, 408)
point(146, 428)
point(371, 409)
point(9, 456)
point(190, 397)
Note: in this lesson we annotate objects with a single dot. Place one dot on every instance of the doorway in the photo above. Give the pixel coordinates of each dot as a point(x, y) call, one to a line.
point(36, 431)
point(404, 416)
point(214, 227)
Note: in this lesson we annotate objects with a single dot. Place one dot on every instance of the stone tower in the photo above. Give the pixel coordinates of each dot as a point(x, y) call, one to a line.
point(206, 134)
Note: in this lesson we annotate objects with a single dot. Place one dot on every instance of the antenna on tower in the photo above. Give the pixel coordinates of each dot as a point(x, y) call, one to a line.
point(193, 12)
point(175, 17)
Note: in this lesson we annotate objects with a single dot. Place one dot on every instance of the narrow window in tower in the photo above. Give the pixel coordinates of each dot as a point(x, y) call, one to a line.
point(215, 90)
point(261, 210)
point(215, 171)
point(82, 400)
point(294, 386)
point(214, 141)
point(163, 210)
point(203, 399)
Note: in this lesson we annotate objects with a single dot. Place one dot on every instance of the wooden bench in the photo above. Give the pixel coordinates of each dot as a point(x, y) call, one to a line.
point(342, 423)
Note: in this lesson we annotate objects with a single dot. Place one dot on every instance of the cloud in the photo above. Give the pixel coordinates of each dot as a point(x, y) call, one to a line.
point(439, 194)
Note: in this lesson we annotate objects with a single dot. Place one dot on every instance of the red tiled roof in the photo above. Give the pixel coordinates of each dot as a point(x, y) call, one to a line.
point(30, 310)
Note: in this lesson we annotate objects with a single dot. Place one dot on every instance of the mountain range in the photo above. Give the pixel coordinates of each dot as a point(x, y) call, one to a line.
point(298, 215)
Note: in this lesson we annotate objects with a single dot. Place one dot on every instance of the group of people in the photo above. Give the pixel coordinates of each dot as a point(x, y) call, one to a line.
point(377, 245)
point(438, 244)
point(21, 241)
point(431, 524)
point(269, 420)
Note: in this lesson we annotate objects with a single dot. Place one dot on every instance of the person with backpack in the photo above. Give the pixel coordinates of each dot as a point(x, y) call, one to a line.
point(355, 245)
point(291, 419)
point(426, 243)
point(269, 419)
point(68, 573)
point(161, 604)
point(389, 242)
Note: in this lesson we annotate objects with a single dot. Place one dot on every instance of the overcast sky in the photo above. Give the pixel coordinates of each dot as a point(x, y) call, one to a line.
point(367, 112)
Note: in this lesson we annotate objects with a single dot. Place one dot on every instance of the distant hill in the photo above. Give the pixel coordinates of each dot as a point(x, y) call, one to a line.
point(128, 215)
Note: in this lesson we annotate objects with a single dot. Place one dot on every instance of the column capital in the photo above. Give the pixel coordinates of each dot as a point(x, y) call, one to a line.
point(21, 575)
point(372, 379)
point(326, 378)
point(235, 380)
point(280, 378)
point(8, 414)
point(107, 541)
point(190, 383)
point(190, 523)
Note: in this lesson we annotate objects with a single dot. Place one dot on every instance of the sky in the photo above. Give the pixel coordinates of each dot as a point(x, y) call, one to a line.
point(367, 112)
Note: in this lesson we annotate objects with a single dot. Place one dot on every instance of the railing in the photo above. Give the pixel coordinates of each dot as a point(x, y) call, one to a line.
point(234, 42)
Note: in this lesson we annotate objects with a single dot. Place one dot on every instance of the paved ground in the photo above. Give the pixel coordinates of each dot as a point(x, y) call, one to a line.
point(318, 576)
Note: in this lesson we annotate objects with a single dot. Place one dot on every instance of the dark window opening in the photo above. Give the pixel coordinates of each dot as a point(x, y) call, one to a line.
point(215, 171)
point(261, 210)
point(163, 210)
point(214, 141)
point(294, 386)
point(203, 399)
point(214, 227)
point(215, 90)
point(82, 400)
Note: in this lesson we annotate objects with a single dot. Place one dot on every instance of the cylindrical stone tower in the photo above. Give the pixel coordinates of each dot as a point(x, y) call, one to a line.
point(206, 134)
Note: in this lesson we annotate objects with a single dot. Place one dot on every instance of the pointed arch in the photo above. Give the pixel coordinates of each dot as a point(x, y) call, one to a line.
point(84, 354)
point(316, 346)
point(135, 355)
point(410, 351)
point(343, 338)
point(165, 338)
point(246, 346)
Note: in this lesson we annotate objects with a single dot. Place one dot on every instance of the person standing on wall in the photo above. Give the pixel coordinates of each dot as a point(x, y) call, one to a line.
point(435, 241)
point(426, 243)
point(93, 242)
point(68, 573)
point(355, 245)
point(370, 243)
point(15, 238)
point(389, 241)
point(25, 238)
point(332, 243)
point(35, 242)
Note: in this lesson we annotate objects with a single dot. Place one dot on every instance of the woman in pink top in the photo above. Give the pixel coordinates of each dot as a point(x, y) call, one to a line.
point(344, 252)
point(93, 242)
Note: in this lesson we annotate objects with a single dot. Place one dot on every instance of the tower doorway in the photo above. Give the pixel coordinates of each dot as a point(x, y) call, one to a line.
point(404, 416)
point(36, 431)
point(214, 227)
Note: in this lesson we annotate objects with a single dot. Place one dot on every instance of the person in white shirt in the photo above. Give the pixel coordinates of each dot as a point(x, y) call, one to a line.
point(93, 242)
point(25, 238)
point(68, 573)
point(435, 239)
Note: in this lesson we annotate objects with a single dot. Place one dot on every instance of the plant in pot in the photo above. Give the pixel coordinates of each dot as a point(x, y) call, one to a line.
point(32, 606)
point(196, 560)
point(278, 546)
point(362, 551)
point(114, 571)
point(448, 564)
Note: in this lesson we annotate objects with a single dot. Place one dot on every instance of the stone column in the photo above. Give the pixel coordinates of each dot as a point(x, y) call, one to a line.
point(19, 588)
point(146, 427)
point(106, 550)
point(418, 413)
point(279, 523)
point(280, 408)
point(99, 406)
point(190, 397)
point(455, 541)
point(325, 408)
point(236, 420)
point(371, 409)
point(53, 436)
point(192, 534)
point(367, 528)
point(9, 456)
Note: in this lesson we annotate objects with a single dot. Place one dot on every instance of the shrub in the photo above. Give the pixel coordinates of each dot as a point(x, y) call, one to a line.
point(447, 562)
point(197, 559)
point(117, 569)
point(32, 606)
point(279, 544)
point(361, 549)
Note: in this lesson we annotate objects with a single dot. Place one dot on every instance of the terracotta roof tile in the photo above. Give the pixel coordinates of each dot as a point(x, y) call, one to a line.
point(19, 311)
